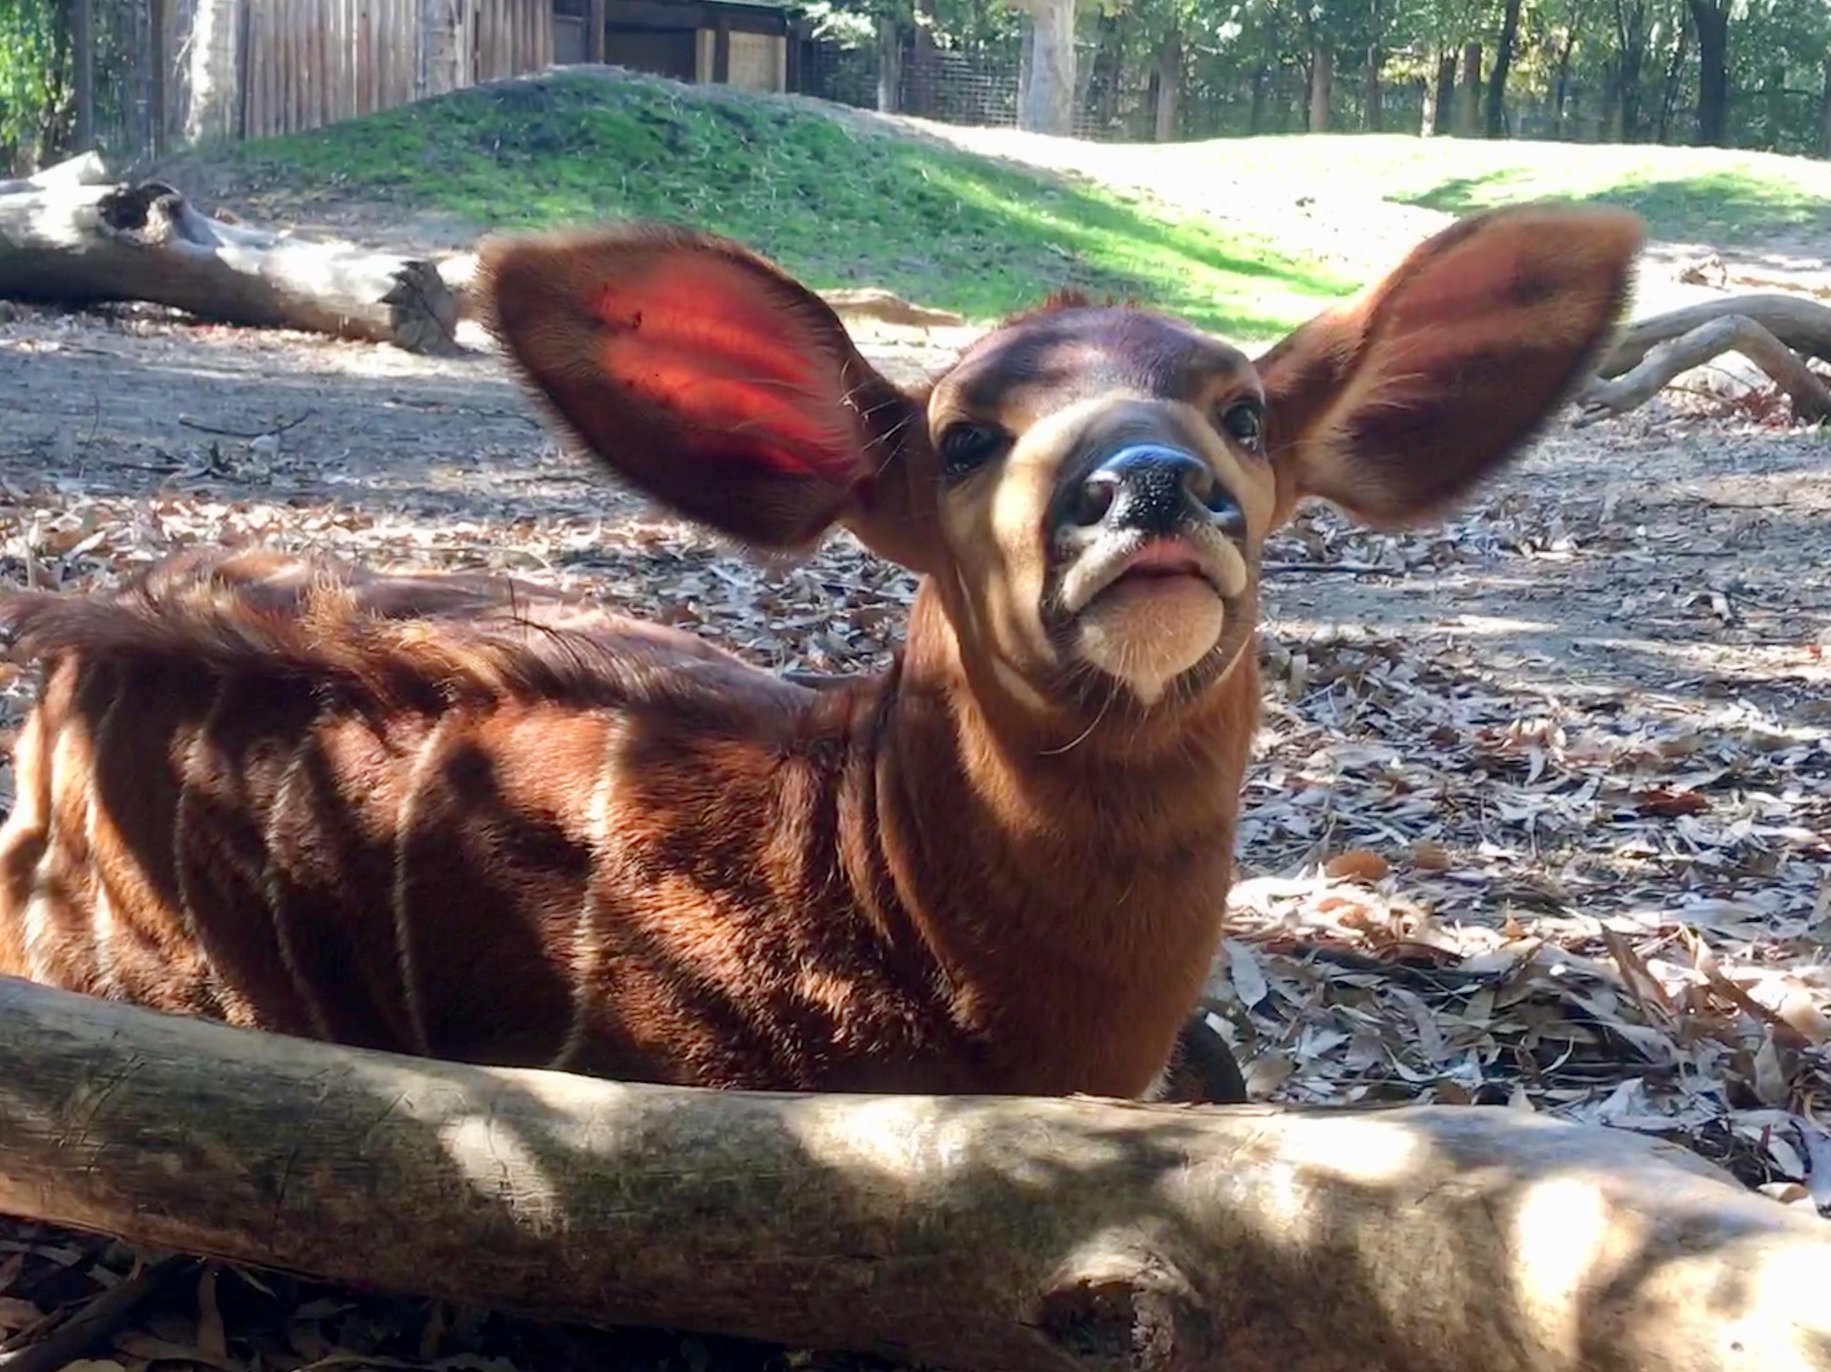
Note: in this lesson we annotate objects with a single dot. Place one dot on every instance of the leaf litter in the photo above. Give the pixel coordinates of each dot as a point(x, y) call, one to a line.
point(1540, 813)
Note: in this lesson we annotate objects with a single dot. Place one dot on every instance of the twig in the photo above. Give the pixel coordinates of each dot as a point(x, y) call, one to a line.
point(1334, 568)
point(95, 1321)
point(238, 433)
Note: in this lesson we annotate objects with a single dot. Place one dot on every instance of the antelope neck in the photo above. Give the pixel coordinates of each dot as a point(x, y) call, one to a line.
point(1086, 870)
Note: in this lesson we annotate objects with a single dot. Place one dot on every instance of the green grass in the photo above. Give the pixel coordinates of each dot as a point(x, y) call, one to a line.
point(1721, 196)
point(840, 204)
point(833, 205)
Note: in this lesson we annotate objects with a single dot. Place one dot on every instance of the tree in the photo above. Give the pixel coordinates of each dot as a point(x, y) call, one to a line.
point(1045, 98)
point(1497, 79)
point(1824, 112)
point(1711, 18)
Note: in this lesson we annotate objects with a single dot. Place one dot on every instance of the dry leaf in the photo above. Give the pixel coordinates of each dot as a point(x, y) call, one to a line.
point(1431, 856)
point(1660, 801)
point(1361, 864)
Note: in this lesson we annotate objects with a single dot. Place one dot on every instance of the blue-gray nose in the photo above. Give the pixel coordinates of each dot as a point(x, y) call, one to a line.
point(1157, 489)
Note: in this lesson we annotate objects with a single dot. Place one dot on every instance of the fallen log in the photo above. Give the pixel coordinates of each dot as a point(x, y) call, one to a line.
point(69, 237)
point(994, 1234)
point(1726, 333)
point(1802, 324)
point(85, 169)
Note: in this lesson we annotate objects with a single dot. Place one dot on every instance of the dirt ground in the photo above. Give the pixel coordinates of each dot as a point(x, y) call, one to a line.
point(1541, 811)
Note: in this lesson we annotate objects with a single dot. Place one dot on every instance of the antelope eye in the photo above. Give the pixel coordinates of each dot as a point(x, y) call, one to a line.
point(1244, 421)
point(966, 447)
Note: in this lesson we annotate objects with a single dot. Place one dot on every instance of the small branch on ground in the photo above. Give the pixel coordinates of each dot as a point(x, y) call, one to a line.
point(1724, 333)
point(1801, 324)
point(95, 1322)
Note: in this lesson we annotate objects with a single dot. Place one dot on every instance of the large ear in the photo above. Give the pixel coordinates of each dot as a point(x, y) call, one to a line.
point(703, 375)
point(1396, 405)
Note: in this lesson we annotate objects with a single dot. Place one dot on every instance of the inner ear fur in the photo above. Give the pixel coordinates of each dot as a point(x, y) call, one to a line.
point(704, 376)
point(1395, 406)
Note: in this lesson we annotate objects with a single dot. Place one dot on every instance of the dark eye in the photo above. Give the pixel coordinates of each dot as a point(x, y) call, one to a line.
point(966, 447)
point(1243, 420)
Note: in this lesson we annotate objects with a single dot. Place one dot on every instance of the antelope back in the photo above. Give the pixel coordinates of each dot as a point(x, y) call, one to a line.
point(300, 795)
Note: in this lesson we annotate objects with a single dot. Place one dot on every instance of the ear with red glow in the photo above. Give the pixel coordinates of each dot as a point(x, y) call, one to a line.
point(699, 373)
point(1395, 406)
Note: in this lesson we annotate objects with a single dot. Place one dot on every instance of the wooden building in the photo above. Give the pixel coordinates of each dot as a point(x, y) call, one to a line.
point(256, 68)
point(744, 43)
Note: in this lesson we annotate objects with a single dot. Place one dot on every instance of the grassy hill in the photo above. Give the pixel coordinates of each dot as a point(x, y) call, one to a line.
point(1723, 196)
point(842, 197)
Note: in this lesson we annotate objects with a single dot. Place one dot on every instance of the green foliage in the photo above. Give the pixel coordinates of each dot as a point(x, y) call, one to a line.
point(34, 80)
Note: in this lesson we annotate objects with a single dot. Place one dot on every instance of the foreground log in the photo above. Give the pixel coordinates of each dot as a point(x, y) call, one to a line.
point(69, 238)
point(976, 1233)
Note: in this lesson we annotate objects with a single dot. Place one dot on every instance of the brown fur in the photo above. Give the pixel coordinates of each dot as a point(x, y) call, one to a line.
point(470, 818)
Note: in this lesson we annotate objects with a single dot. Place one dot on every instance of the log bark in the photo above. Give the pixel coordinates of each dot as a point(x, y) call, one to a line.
point(1800, 323)
point(85, 169)
point(68, 240)
point(986, 1233)
point(1726, 333)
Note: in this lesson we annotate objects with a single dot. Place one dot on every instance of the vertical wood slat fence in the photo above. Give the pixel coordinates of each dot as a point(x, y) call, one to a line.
point(307, 63)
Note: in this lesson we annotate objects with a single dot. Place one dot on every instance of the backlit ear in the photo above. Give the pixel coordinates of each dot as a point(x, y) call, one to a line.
point(1396, 405)
point(701, 374)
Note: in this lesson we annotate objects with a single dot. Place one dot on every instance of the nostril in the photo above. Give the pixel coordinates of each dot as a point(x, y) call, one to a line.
point(1202, 485)
point(1228, 517)
point(1095, 498)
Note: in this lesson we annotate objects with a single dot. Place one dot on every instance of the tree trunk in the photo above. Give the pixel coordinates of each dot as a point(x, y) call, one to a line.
point(1038, 1235)
point(1824, 113)
point(65, 240)
point(1108, 65)
point(923, 74)
point(1443, 106)
point(889, 65)
point(1631, 52)
point(1468, 93)
point(1261, 78)
point(1322, 84)
point(1169, 87)
point(214, 44)
point(1675, 71)
point(1046, 102)
point(595, 32)
point(1774, 91)
point(82, 51)
point(1372, 101)
point(159, 76)
point(1563, 86)
point(1503, 60)
point(1712, 22)
point(442, 49)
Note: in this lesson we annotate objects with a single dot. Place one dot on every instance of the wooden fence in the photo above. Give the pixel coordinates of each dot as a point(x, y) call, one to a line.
point(304, 63)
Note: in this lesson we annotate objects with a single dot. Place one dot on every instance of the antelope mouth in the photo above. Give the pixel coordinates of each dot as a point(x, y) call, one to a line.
point(1146, 608)
point(1153, 566)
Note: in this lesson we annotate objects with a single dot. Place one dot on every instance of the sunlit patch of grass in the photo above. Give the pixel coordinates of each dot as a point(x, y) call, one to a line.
point(834, 205)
